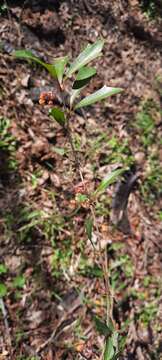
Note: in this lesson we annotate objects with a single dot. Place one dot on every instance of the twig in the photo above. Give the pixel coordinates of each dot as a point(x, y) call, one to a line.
point(4, 313)
point(12, 24)
point(132, 336)
point(56, 332)
point(8, 14)
point(87, 7)
point(31, 352)
point(25, 2)
point(20, 22)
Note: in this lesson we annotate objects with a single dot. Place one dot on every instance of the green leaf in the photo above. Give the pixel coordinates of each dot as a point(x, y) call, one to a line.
point(90, 53)
point(59, 65)
point(102, 327)
point(83, 77)
point(19, 282)
point(74, 95)
point(108, 180)
point(34, 214)
point(89, 227)
point(58, 115)
point(122, 343)
point(28, 55)
point(109, 349)
point(81, 82)
point(81, 198)
point(58, 150)
point(3, 290)
point(85, 72)
point(115, 337)
point(3, 269)
point(51, 69)
point(30, 225)
point(116, 356)
point(98, 95)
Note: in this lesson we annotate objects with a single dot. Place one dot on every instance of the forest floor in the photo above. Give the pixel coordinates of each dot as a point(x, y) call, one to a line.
point(51, 282)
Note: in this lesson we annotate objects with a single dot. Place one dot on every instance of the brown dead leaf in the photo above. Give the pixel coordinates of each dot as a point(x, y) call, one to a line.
point(43, 178)
point(25, 80)
point(35, 318)
point(133, 2)
point(79, 346)
point(39, 147)
point(50, 355)
point(55, 180)
point(4, 355)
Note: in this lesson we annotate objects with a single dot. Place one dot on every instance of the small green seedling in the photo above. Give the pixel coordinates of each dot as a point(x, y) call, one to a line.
point(80, 74)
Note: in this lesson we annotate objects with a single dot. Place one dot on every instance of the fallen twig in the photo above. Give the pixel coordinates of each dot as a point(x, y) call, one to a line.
point(4, 313)
point(132, 336)
point(57, 331)
point(31, 352)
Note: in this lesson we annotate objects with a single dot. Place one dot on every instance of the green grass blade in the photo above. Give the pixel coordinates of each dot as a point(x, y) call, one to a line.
point(108, 180)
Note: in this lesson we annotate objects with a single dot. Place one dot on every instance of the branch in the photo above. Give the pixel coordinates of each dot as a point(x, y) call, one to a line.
point(4, 313)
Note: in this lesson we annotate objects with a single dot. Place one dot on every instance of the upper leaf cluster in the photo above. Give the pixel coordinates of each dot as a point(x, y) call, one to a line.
point(61, 70)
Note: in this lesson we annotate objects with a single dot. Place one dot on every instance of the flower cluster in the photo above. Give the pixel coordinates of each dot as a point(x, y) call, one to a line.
point(47, 98)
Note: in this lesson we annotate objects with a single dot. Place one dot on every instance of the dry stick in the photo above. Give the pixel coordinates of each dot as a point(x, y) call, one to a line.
point(57, 332)
point(31, 352)
point(12, 22)
point(20, 22)
point(22, 10)
point(9, 15)
point(4, 313)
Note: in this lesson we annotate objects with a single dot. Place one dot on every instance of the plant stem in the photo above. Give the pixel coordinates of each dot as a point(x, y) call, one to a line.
point(104, 264)
point(108, 290)
point(69, 135)
point(77, 163)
